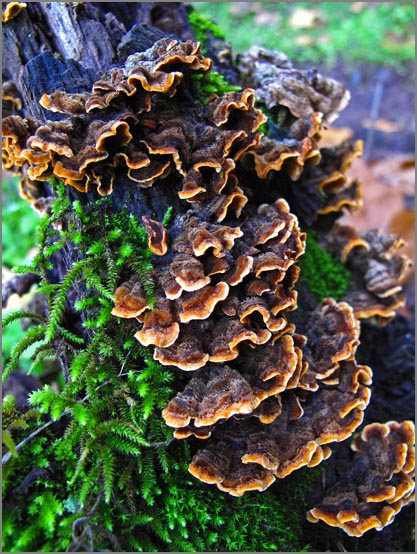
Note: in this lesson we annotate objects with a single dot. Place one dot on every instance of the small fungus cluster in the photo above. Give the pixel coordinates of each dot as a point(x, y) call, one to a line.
point(377, 270)
point(265, 396)
point(380, 483)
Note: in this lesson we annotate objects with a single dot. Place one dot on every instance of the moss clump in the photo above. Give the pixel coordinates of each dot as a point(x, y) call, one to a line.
point(324, 274)
point(82, 445)
point(212, 83)
point(202, 25)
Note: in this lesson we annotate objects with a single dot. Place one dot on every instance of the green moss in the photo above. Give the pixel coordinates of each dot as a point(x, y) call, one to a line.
point(212, 83)
point(324, 273)
point(19, 222)
point(202, 25)
point(381, 33)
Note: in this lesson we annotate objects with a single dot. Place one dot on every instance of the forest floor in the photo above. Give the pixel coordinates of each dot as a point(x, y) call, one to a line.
point(381, 113)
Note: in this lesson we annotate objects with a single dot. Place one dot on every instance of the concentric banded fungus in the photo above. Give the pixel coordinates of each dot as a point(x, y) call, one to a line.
point(87, 147)
point(377, 270)
point(380, 483)
point(144, 73)
point(332, 336)
point(330, 173)
point(218, 392)
point(210, 277)
point(277, 84)
point(159, 326)
point(130, 299)
point(290, 154)
point(323, 190)
point(253, 455)
point(225, 269)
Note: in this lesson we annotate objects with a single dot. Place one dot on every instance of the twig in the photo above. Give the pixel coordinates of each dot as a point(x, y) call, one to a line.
point(8, 455)
point(86, 530)
point(158, 444)
point(376, 102)
point(124, 363)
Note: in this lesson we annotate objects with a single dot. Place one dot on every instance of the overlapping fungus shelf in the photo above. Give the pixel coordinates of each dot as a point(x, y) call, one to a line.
point(381, 480)
point(263, 398)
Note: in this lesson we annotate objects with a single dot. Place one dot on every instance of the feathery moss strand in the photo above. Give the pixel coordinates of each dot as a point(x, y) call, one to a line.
point(32, 336)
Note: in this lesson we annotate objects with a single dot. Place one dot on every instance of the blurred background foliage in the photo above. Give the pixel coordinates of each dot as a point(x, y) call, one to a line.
point(18, 226)
point(323, 33)
point(320, 32)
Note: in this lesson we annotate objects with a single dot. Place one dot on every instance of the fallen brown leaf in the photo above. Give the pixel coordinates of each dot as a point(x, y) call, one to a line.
point(388, 194)
point(382, 125)
point(334, 136)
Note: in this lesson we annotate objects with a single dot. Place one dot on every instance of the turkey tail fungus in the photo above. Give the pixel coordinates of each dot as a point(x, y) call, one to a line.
point(265, 377)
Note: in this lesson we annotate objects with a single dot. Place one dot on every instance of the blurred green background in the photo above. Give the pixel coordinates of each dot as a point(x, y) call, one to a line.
point(324, 33)
point(320, 32)
point(18, 226)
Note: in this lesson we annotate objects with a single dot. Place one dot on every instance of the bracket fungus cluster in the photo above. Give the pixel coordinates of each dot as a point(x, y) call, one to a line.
point(221, 288)
point(264, 396)
point(379, 484)
point(377, 268)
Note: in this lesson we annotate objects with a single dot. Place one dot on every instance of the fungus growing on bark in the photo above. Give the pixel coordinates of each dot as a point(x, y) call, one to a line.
point(214, 267)
point(157, 236)
point(159, 326)
point(95, 139)
point(377, 270)
point(267, 395)
point(218, 392)
point(130, 299)
point(278, 84)
point(380, 482)
point(254, 455)
point(332, 336)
